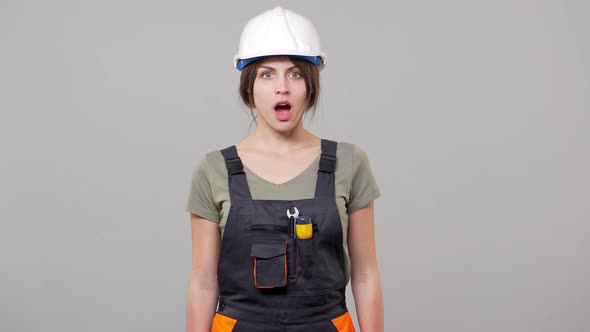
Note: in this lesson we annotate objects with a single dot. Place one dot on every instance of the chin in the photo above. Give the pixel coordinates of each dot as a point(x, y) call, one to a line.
point(283, 127)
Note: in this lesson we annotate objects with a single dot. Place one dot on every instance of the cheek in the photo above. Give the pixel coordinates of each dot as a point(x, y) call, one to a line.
point(300, 90)
point(261, 85)
point(258, 91)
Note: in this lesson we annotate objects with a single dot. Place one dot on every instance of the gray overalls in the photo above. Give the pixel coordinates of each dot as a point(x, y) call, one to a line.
point(273, 277)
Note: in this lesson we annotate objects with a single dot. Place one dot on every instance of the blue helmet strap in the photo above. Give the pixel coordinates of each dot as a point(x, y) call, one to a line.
point(316, 60)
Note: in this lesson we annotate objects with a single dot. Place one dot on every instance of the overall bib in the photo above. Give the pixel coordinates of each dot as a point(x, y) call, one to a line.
point(281, 265)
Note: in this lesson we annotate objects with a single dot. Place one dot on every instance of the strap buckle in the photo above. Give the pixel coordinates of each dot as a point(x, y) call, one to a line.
point(327, 163)
point(234, 166)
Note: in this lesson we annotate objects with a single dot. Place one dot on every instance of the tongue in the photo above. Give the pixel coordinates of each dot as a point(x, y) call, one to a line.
point(283, 113)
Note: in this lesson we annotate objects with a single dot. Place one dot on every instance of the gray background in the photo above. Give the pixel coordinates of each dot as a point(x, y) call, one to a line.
point(474, 114)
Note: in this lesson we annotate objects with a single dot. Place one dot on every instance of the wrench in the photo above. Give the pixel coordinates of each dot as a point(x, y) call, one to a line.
point(296, 214)
point(292, 221)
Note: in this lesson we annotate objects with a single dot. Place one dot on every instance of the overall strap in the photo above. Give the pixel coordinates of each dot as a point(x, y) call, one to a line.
point(324, 187)
point(237, 183)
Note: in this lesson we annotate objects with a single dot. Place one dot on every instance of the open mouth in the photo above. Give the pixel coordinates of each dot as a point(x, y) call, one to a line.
point(283, 110)
point(282, 106)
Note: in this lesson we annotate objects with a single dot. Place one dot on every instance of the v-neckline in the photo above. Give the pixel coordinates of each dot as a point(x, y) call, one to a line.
point(250, 173)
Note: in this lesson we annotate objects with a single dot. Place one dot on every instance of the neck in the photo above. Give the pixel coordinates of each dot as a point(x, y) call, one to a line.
point(267, 139)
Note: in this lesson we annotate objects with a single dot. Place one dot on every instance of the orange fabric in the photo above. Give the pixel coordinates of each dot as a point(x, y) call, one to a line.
point(344, 323)
point(222, 323)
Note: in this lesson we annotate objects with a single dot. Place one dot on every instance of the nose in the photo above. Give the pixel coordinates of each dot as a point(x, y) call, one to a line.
point(282, 86)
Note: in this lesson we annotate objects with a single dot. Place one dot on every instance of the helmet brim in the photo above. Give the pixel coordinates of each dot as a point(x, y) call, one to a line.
point(315, 60)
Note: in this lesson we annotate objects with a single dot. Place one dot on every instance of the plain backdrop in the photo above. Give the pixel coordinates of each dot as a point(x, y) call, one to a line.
point(474, 115)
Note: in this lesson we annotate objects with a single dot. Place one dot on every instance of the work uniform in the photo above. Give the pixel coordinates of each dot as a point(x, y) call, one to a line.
point(283, 264)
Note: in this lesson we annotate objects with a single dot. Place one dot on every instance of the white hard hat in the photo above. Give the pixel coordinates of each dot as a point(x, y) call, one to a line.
point(279, 32)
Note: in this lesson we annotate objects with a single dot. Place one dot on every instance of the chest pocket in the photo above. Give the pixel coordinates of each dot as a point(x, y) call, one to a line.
point(269, 251)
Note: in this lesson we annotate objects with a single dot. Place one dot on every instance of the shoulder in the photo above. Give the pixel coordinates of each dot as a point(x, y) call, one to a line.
point(216, 169)
point(214, 157)
point(208, 162)
point(351, 153)
point(351, 160)
point(344, 148)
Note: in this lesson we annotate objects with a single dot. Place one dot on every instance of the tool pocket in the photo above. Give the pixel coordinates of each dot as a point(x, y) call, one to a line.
point(306, 250)
point(270, 262)
point(305, 253)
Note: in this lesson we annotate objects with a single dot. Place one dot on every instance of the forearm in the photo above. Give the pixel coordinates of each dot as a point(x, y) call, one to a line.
point(201, 304)
point(368, 301)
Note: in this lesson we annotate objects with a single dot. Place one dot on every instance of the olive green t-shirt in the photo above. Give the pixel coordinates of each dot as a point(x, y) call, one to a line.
point(355, 187)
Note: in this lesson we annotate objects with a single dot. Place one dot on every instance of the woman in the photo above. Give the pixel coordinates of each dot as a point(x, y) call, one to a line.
point(282, 220)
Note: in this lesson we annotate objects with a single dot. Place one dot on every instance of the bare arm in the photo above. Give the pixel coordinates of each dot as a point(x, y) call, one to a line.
point(365, 278)
point(202, 289)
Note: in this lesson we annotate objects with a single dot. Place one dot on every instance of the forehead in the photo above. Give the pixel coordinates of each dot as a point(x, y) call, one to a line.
point(277, 62)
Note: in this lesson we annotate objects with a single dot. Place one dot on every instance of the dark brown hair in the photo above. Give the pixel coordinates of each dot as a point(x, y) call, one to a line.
point(310, 73)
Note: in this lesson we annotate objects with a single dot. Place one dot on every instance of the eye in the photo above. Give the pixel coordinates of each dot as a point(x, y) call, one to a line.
point(265, 74)
point(296, 74)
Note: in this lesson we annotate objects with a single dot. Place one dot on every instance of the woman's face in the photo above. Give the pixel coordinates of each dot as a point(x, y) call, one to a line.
point(279, 93)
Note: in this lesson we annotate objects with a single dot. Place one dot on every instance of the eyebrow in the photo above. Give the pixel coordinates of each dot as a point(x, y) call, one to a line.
point(268, 67)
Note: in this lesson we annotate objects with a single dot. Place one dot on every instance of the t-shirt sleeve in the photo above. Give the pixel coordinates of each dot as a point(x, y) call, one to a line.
point(200, 198)
point(364, 188)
